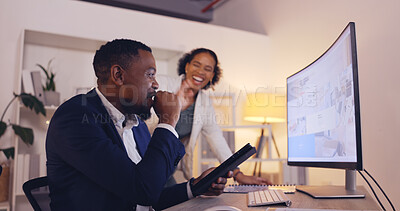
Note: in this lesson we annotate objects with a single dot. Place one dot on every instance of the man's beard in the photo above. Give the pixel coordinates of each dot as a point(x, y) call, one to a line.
point(145, 115)
point(143, 112)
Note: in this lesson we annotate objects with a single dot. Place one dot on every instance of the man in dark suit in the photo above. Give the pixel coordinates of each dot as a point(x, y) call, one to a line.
point(100, 155)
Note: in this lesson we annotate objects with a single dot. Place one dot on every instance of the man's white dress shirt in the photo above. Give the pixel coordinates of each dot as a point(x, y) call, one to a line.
point(124, 129)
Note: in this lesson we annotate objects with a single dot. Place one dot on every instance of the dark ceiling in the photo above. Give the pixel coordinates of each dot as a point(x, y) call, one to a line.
point(196, 10)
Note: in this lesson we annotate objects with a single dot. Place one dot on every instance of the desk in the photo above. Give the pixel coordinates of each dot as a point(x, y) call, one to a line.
point(299, 200)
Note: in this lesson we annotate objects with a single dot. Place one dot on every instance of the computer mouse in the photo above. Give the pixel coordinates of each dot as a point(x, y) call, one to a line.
point(223, 207)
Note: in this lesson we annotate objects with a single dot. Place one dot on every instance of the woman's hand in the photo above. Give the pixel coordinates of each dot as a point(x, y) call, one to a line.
point(186, 95)
point(243, 179)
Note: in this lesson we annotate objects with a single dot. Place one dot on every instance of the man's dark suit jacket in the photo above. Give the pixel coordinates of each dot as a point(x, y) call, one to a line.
point(88, 167)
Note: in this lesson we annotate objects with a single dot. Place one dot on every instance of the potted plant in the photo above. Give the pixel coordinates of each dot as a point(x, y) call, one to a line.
point(26, 135)
point(51, 97)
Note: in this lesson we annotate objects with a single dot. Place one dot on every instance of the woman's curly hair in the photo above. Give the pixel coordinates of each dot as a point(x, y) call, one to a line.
point(188, 57)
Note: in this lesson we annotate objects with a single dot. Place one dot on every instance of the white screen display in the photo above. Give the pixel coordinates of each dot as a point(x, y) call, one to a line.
point(320, 108)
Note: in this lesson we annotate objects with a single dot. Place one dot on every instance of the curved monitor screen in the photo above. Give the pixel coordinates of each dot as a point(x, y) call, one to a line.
point(323, 109)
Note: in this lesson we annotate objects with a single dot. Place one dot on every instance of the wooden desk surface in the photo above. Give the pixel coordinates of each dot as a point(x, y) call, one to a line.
point(299, 200)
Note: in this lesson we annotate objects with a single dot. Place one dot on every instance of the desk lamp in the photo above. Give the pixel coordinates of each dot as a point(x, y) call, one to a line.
point(265, 108)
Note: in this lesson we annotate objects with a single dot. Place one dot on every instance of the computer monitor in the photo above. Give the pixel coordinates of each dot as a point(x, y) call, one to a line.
point(323, 116)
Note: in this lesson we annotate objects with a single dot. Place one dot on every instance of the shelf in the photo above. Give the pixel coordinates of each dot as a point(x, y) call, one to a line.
point(84, 44)
point(209, 160)
point(265, 159)
point(51, 108)
point(4, 206)
point(35, 193)
point(61, 41)
point(243, 126)
point(205, 160)
point(47, 108)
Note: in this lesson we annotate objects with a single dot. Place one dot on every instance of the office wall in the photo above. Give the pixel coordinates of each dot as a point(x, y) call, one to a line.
point(99, 22)
point(300, 31)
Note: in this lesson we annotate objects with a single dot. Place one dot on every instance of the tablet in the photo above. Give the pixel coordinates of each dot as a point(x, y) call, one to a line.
point(228, 165)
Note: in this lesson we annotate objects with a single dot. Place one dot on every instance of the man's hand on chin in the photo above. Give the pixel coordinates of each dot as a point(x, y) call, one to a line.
point(167, 107)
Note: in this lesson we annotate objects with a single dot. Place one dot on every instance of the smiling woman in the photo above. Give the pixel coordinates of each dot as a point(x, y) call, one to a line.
point(201, 67)
point(199, 70)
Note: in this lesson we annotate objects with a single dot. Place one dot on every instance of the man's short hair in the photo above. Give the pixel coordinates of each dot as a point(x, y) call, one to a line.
point(117, 52)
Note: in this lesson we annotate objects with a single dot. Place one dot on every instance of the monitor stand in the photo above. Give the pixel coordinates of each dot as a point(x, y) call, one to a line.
point(335, 192)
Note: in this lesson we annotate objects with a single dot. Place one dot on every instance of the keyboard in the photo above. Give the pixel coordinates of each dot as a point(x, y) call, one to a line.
point(233, 188)
point(267, 197)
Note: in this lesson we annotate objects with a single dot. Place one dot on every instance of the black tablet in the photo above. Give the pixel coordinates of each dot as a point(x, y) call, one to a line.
point(228, 165)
